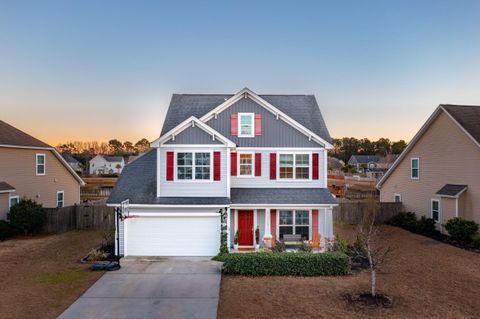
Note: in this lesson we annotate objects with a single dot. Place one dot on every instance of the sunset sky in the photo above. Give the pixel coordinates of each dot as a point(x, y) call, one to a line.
point(96, 70)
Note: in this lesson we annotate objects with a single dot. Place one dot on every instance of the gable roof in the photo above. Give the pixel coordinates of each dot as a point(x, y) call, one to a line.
point(301, 108)
point(10, 135)
point(69, 158)
point(112, 158)
point(364, 159)
point(465, 116)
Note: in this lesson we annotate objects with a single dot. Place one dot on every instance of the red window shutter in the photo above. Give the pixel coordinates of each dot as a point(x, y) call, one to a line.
point(216, 166)
point(273, 165)
point(170, 160)
point(258, 124)
point(273, 225)
point(315, 166)
point(258, 164)
point(233, 164)
point(315, 234)
point(234, 124)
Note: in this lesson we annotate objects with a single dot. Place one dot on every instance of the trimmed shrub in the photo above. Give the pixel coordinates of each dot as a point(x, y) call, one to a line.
point(27, 216)
point(461, 230)
point(406, 221)
point(476, 242)
point(425, 226)
point(6, 230)
point(287, 264)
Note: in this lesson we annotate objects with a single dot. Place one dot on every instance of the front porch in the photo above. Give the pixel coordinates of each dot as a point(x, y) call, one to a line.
point(313, 224)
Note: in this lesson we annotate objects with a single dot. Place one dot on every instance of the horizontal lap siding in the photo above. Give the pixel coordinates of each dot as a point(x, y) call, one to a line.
point(264, 181)
point(275, 133)
point(194, 188)
point(447, 156)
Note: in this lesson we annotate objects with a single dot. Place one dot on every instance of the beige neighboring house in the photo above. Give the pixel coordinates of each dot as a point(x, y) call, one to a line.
point(438, 174)
point(32, 169)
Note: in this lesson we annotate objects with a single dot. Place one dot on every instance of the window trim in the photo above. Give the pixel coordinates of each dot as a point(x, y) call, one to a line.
point(395, 197)
point(439, 210)
point(193, 180)
point(252, 115)
point(411, 168)
point(294, 178)
point(310, 221)
point(17, 197)
point(44, 164)
point(238, 164)
point(63, 199)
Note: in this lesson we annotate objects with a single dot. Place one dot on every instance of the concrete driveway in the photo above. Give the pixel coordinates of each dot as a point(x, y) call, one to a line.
point(153, 288)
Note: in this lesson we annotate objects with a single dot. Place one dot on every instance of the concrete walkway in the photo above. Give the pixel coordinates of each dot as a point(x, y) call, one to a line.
point(153, 288)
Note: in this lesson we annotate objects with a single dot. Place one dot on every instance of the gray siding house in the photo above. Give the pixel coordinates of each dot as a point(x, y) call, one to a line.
point(262, 158)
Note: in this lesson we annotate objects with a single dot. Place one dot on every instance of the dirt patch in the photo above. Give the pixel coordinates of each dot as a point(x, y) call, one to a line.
point(424, 280)
point(41, 275)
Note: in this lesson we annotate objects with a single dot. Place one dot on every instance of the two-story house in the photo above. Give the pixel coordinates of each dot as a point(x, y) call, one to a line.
point(30, 168)
point(104, 164)
point(263, 158)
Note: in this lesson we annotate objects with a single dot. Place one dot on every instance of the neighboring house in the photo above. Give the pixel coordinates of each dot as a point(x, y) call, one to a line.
point(132, 158)
point(103, 164)
point(32, 169)
point(373, 166)
point(74, 163)
point(437, 175)
point(335, 165)
point(363, 162)
point(262, 158)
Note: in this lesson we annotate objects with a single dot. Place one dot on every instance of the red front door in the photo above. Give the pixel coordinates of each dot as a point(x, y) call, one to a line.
point(245, 227)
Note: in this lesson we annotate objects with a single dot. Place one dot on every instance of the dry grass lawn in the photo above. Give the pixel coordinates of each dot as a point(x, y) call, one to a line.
point(426, 278)
point(41, 276)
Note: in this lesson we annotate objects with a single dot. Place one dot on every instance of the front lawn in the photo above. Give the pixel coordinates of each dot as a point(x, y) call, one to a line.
point(426, 278)
point(41, 275)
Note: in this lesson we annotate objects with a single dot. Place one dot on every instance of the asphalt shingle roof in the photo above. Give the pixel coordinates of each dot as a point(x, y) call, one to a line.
point(282, 196)
point(4, 186)
point(468, 116)
point(112, 158)
point(302, 108)
point(10, 135)
point(451, 190)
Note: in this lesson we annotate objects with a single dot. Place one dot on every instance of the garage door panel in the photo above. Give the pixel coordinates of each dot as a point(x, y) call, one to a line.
point(173, 236)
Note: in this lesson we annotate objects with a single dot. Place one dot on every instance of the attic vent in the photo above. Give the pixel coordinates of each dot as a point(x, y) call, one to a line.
point(193, 123)
point(245, 95)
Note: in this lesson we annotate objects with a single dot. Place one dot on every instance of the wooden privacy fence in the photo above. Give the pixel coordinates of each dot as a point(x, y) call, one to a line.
point(351, 212)
point(81, 216)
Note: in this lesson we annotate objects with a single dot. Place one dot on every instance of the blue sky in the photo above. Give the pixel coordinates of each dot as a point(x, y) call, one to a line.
point(94, 70)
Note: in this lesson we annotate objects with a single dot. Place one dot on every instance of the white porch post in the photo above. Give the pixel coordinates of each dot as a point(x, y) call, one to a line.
point(329, 223)
point(228, 228)
point(267, 236)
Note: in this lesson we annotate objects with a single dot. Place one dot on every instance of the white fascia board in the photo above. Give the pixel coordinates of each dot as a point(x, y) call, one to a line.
point(246, 92)
point(186, 124)
point(168, 206)
point(7, 191)
point(410, 145)
point(166, 214)
point(282, 206)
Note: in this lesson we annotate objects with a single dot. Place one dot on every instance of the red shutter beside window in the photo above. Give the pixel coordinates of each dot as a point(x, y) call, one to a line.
point(273, 165)
point(315, 165)
point(234, 124)
point(258, 164)
point(216, 166)
point(233, 164)
point(258, 124)
point(170, 165)
point(273, 225)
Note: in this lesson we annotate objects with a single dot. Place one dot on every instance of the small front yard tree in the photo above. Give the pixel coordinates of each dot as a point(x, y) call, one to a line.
point(27, 216)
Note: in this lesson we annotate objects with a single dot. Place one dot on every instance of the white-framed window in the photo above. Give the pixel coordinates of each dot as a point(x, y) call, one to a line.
point(246, 123)
point(40, 163)
point(415, 168)
point(294, 166)
point(294, 222)
point(245, 164)
point(60, 198)
point(13, 200)
point(436, 210)
point(397, 198)
point(194, 166)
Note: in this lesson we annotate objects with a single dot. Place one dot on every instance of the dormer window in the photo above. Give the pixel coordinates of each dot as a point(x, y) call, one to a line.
point(246, 125)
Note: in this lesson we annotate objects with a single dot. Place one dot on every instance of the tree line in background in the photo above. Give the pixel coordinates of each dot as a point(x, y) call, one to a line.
point(344, 148)
point(85, 151)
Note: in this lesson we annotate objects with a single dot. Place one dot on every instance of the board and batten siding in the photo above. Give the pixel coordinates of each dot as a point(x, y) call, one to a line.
point(193, 135)
point(18, 168)
point(264, 181)
point(275, 132)
point(447, 156)
point(193, 188)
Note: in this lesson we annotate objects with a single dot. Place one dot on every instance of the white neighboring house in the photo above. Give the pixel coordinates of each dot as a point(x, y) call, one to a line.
point(103, 164)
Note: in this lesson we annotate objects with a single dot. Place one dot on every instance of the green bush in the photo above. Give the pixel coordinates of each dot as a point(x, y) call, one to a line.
point(6, 230)
point(406, 221)
point(461, 230)
point(287, 264)
point(425, 226)
point(27, 216)
point(476, 242)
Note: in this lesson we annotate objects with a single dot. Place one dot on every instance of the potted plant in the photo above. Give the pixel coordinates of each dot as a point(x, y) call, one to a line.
point(235, 239)
point(257, 238)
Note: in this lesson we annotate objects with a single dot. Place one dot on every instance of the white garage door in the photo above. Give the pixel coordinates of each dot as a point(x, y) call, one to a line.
point(172, 236)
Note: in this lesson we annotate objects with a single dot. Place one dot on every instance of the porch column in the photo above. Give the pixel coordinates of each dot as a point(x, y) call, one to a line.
point(267, 236)
point(228, 228)
point(329, 223)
